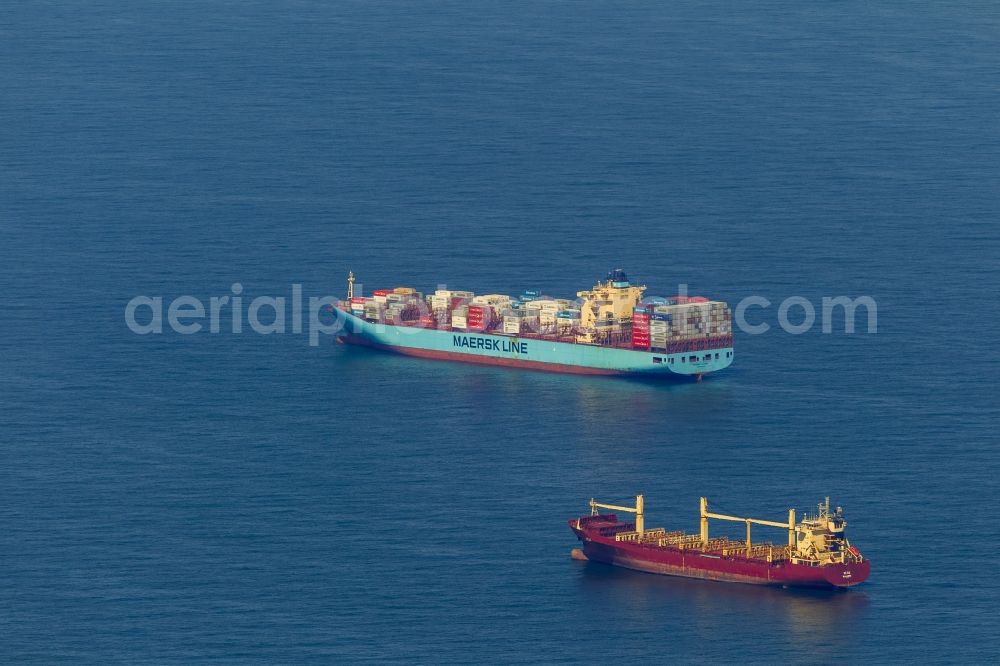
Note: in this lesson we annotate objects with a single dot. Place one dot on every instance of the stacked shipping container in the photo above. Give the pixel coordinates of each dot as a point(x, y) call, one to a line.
point(680, 320)
point(640, 328)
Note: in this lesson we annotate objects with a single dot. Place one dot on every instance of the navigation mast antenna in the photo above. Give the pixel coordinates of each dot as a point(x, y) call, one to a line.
point(350, 285)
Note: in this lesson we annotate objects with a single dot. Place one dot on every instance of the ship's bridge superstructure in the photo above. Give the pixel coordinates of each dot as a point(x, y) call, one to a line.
point(822, 537)
point(609, 304)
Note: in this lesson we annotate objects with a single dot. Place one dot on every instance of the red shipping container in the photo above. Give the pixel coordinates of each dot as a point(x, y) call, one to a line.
point(479, 314)
point(382, 292)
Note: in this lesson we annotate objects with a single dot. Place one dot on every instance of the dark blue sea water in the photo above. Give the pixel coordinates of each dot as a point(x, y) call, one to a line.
point(234, 498)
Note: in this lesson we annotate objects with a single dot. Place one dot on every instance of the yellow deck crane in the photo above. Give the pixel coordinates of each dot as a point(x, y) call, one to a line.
point(706, 514)
point(640, 524)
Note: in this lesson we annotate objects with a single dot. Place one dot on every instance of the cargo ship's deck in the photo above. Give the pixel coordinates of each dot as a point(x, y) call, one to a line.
point(660, 538)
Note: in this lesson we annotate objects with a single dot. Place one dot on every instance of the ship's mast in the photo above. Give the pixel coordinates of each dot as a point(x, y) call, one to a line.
point(824, 509)
point(350, 285)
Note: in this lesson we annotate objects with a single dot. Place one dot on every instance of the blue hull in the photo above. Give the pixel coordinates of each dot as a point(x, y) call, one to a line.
point(533, 353)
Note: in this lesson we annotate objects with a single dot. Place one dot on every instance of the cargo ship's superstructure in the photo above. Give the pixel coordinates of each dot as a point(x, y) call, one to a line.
point(817, 553)
point(609, 329)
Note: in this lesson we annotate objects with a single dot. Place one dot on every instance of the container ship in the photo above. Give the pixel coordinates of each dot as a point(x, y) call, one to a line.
point(609, 329)
point(817, 554)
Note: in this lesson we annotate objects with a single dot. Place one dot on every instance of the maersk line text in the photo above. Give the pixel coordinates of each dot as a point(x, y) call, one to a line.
point(496, 344)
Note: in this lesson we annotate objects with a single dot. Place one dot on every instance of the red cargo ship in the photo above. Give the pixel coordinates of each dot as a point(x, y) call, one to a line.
point(817, 554)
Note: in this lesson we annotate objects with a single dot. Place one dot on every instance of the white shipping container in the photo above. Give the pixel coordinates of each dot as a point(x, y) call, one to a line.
point(548, 305)
point(492, 299)
point(511, 326)
point(459, 321)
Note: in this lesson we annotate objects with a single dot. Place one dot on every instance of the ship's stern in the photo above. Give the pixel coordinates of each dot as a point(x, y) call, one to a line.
point(848, 574)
